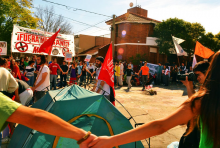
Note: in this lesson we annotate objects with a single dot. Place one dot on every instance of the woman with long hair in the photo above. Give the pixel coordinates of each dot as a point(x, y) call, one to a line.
point(202, 110)
point(15, 69)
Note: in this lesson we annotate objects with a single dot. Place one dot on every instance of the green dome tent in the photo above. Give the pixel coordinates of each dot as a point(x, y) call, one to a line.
point(80, 107)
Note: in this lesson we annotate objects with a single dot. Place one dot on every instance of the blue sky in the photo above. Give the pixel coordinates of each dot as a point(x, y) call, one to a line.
point(205, 12)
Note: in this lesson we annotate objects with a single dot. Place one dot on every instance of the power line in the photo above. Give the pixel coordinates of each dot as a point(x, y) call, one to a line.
point(75, 9)
point(71, 19)
point(90, 27)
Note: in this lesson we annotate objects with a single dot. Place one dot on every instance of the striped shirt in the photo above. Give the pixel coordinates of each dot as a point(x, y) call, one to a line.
point(29, 71)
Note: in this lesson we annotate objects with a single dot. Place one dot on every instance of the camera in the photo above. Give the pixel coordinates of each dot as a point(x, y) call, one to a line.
point(191, 77)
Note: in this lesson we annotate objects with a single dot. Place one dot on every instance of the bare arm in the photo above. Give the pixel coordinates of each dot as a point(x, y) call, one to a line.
point(17, 98)
point(46, 122)
point(102, 84)
point(180, 116)
point(189, 87)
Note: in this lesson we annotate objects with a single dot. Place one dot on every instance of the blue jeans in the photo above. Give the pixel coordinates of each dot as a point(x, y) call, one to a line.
point(53, 81)
point(31, 80)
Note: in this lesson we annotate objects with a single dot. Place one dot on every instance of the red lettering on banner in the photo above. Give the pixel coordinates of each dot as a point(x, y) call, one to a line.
point(42, 40)
point(29, 38)
point(18, 37)
point(36, 49)
point(33, 38)
point(25, 37)
point(21, 36)
point(61, 43)
point(67, 44)
point(57, 42)
point(37, 39)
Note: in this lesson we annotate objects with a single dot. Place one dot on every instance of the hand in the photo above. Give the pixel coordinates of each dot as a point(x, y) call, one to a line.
point(88, 141)
point(33, 89)
point(102, 142)
point(187, 83)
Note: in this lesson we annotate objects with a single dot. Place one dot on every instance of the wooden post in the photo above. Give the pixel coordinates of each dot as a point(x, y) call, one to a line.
point(113, 36)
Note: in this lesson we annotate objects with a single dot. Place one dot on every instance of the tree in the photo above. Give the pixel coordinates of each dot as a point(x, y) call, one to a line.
point(210, 41)
point(51, 22)
point(137, 58)
point(15, 12)
point(191, 32)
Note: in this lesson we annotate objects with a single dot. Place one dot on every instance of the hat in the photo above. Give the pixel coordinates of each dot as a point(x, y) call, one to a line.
point(100, 58)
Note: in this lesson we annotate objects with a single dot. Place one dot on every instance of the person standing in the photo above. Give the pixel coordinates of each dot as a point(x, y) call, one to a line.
point(121, 73)
point(129, 72)
point(174, 73)
point(73, 73)
point(63, 75)
point(166, 75)
point(91, 69)
point(79, 68)
point(22, 66)
point(15, 69)
point(53, 73)
point(82, 76)
point(145, 74)
point(29, 71)
point(101, 86)
point(159, 72)
point(132, 66)
point(26, 62)
point(182, 69)
point(43, 79)
point(117, 73)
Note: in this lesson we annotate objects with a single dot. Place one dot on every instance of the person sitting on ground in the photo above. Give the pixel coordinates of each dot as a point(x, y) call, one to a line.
point(203, 108)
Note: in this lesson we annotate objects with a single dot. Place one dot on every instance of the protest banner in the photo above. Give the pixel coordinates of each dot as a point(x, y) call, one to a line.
point(68, 56)
point(25, 40)
point(152, 68)
point(88, 57)
point(3, 48)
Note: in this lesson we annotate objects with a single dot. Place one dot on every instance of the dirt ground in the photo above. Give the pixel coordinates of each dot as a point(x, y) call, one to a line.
point(145, 108)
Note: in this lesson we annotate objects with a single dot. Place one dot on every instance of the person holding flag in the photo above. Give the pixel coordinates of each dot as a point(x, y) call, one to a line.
point(105, 76)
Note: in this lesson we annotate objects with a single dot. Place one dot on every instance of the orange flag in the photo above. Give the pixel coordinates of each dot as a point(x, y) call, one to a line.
point(203, 51)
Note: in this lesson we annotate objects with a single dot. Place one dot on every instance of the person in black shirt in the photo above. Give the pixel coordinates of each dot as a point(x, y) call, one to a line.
point(129, 72)
point(63, 75)
point(83, 75)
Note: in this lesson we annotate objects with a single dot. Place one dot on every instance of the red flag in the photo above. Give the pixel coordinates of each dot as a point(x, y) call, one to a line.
point(106, 73)
point(46, 47)
point(203, 51)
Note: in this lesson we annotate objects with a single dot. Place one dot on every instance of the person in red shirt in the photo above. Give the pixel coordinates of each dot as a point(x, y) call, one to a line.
point(15, 69)
point(145, 74)
point(53, 73)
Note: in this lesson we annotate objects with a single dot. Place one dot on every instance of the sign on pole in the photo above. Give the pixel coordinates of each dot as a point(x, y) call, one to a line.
point(25, 40)
point(88, 57)
point(68, 56)
point(3, 48)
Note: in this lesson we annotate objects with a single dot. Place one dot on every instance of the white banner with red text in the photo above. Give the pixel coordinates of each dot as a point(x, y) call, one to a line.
point(25, 40)
point(3, 48)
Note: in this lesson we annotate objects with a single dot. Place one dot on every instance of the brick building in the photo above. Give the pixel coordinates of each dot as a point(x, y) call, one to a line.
point(131, 32)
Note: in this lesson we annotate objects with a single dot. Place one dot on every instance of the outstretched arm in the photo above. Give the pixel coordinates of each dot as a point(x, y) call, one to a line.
point(46, 122)
point(181, 116)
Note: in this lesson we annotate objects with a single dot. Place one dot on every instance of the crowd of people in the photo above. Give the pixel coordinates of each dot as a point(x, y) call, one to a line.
point(125, 74)
point(200, 111)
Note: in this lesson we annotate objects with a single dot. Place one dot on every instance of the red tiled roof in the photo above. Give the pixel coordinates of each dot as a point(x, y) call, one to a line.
point(126, 16)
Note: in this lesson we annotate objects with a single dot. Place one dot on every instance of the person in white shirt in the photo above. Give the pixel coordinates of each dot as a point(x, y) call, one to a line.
point(91, 68)
point(42, 83)
point(101, 86)
point(121, 73)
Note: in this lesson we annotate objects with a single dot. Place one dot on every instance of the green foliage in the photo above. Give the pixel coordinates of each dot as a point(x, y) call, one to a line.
point(190, 32)
point(15, 12)
point(137, 58)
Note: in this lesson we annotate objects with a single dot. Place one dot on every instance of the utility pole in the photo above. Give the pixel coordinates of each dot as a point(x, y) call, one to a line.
point(113, 36)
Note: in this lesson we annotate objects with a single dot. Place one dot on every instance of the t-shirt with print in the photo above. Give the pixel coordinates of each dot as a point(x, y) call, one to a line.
point(145, 70)
point(53, 68)
point(7, 108)
point(45, 85)
point(29, 71)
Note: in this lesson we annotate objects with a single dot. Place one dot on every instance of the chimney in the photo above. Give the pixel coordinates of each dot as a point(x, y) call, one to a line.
point(138, 10)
